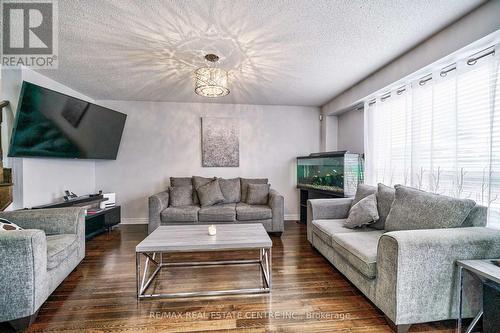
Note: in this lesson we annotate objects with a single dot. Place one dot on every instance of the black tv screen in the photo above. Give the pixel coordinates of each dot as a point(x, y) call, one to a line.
point(51, 124)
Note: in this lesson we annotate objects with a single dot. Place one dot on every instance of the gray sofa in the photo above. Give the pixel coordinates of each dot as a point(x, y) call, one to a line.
point(270, 215)
point(408, 274)
point(37, 259)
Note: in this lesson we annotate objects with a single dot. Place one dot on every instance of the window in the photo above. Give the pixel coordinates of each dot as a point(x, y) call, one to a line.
point(441, 134)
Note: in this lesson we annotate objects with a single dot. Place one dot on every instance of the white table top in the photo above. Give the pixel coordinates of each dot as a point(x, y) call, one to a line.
point(190, 238)
point(484, 268)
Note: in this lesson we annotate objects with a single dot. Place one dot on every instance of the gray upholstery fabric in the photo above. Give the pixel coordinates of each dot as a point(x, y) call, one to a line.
point(359, 249)
point(477, 217)
point(157, 204)
point(180, 214)
point(181, 196)
point(422, 271)
point(415, 278)
point(325, 229)
point(246, 212)
point(210, 194)
point(231, 189)
point(25, 277)
point(277, 205)
point(363, 213)
point(270, 215)
point(385, 197)
point(244, 185)
point(413, 209)
point(197, 182)
point(362, 191)
point(181, 181)
point(321, 209)
point(60, 247)
point(218, 213)
point(257, 194)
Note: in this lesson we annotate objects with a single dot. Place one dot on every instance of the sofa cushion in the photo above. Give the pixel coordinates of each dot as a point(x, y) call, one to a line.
point(362, 191)
point(231, 189)
point(181, 181)
point(363, 213)
point(210, 194)
point(257, 194)
point(60, 247)
point(218, 213)
point(246, 212)
point(359, 249)
point(244, 185)
point(181, 196)
point(197, 182)
point(385, 197)
point(414, 209)
point(180, 214)
point(325, 229)
point(477, 217)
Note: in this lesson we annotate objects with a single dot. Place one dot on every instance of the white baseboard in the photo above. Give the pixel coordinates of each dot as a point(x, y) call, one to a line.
point(144, 220)
point(293, 217)
point(134, 220)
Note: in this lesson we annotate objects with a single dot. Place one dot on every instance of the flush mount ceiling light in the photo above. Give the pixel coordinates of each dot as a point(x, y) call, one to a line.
point(211, 81)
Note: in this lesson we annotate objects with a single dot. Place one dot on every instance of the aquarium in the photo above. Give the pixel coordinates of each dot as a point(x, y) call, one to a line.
point(335, 172)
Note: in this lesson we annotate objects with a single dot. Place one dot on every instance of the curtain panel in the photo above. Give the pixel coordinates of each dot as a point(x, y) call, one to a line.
point(441, 135)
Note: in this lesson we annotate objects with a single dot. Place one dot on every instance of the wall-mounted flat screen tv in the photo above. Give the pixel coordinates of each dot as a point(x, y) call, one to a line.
point(51, 124)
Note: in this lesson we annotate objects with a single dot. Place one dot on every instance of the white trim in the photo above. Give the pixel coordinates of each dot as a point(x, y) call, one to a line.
point(144, 220)
point(134, 220)
point(292, 217)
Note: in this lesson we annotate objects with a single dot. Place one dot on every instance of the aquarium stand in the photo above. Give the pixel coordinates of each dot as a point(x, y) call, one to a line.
point(306, 194)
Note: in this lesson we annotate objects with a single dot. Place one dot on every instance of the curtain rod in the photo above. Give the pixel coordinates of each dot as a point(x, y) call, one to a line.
point(444, 71)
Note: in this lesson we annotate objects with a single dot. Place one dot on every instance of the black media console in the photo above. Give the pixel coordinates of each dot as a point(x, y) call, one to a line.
point(97, 220)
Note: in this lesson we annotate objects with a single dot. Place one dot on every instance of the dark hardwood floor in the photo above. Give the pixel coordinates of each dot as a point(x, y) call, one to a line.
point(309, 295)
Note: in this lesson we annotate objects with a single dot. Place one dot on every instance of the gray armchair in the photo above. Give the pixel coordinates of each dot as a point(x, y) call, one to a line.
point(36, 260)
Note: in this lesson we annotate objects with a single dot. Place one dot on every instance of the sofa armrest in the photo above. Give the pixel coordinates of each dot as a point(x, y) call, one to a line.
point(53, 221)
point(417, 272)
point(22, 273)
point(323, 209)
point(277, 204)
point(157, 203)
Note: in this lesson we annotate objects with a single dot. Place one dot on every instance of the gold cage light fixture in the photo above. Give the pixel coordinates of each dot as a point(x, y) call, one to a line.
point(211, 81)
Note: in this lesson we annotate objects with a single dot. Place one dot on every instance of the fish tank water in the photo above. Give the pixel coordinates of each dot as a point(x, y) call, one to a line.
point(334, 172)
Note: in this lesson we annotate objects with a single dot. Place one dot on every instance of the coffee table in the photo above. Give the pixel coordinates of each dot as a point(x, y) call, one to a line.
point(195, 238)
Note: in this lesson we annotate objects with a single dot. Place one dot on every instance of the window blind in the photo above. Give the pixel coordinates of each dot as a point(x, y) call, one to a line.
point(441, 136)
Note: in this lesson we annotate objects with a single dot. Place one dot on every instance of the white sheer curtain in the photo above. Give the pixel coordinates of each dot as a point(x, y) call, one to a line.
point(441, 136)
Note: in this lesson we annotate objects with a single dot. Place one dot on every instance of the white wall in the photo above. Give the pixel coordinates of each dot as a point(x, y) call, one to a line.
point(38, 180)
point(351, 131)
point(161, 140)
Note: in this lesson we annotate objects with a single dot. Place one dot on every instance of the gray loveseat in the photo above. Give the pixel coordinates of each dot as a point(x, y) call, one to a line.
point(270, 215)
point(409, 274)
point(37, 259)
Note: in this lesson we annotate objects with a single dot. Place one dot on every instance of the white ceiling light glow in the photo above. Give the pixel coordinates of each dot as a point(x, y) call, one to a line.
point(211, 81)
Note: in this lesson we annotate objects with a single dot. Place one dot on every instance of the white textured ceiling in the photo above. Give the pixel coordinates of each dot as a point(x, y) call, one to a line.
point(296, 52)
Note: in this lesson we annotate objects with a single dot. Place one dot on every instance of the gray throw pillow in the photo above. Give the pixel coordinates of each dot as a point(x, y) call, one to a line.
point(258, 194)
point(231, 189)
point(363, 213)
point(197, 182)
point(181, 196)
point(210, 194)
point(385, 197)
point(181, 181)
point(244, 185)
point(414, 209)
point(362, 191)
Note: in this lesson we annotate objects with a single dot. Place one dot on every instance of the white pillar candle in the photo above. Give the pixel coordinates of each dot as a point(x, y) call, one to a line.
point(212, 230)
